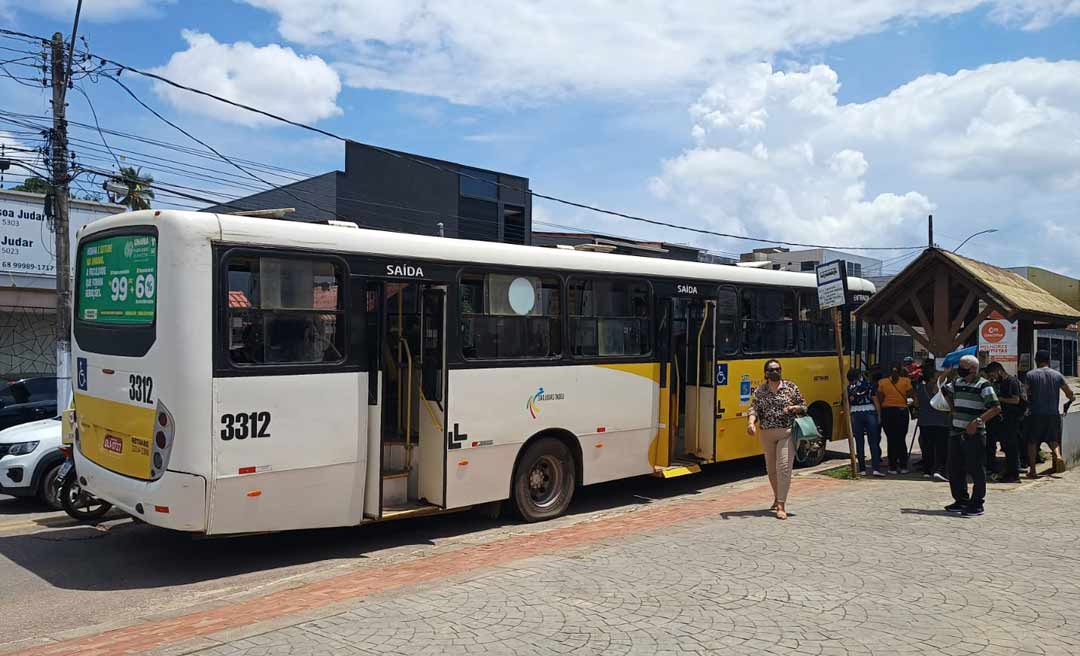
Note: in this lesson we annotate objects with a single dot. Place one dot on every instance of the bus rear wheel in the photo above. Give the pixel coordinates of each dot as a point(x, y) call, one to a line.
point(544, 480)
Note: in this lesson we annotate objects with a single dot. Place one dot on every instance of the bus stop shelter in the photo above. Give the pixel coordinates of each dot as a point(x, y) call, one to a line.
point(941, 298)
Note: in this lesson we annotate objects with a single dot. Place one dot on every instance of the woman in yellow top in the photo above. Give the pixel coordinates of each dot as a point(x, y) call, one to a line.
point(893, 393)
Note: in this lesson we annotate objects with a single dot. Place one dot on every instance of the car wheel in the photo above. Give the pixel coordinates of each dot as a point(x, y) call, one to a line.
point(544, 480)
point(49, 490)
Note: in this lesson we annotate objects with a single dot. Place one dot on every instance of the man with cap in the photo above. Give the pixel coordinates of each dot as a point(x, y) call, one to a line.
point(974, 403)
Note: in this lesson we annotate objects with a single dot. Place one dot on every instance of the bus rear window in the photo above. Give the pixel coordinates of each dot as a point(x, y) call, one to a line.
point(118, 280)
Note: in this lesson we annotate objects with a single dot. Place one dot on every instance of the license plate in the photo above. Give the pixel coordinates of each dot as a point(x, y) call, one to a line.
point(65, 469)
point(113, 443)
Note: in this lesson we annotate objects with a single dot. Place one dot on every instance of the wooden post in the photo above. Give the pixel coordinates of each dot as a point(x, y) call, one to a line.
point(843, 393)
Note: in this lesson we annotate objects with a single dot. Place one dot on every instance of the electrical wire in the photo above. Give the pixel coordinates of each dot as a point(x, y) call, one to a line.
point(93, 111)
point(592, 208)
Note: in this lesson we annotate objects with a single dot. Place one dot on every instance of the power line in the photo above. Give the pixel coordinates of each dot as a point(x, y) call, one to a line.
point(592, 208)
point(93, 111)
point(203, 143)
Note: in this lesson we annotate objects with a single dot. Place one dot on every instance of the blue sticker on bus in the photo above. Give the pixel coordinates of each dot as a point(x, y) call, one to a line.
point(721, 373)
point(81, 380)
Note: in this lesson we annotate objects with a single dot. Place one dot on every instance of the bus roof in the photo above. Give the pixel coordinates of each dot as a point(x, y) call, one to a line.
point(335, 238)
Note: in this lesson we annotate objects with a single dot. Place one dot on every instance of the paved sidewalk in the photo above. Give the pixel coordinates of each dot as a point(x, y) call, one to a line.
point(860, 568)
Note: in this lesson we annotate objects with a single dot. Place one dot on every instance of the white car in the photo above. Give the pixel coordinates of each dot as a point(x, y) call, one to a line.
point(30, 459)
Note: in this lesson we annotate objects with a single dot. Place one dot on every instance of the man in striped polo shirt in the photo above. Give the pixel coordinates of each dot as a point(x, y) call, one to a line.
point(973, 403)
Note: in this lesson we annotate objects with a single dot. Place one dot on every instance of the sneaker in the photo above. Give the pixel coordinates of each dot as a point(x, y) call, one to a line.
point(1059, 466)
point(973, 511)
point(956, 507)
point(893, 472)
point(877, 473)
point(940, 477)
point(904, 470)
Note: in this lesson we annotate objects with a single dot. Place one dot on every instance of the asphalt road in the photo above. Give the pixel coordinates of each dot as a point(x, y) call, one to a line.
point(57, 575)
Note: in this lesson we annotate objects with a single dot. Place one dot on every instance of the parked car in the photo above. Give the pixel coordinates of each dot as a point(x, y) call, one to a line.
point(29, 399)
point(30, 459)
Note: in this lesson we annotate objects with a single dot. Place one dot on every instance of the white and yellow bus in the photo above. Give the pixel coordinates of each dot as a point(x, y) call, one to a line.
point(238, 374)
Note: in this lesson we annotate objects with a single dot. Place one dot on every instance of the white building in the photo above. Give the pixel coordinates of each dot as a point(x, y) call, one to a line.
point(783, 259)
point(28, 282)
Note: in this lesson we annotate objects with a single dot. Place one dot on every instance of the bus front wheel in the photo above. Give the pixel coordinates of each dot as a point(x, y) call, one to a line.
point(544, 480)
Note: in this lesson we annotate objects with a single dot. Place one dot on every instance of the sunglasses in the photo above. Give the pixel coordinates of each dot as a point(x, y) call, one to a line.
point(771, 369)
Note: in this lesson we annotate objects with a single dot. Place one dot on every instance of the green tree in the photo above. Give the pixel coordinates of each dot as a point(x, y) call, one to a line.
point(139, 191)
point(33, 185)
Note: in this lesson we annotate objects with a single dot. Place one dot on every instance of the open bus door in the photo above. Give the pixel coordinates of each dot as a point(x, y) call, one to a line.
point(406, 328)
point(688, 385)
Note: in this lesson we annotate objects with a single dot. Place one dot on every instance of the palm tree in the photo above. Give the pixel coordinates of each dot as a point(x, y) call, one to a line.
point(139, 191)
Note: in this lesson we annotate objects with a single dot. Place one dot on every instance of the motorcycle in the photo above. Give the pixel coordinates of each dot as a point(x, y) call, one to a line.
point(76, 502)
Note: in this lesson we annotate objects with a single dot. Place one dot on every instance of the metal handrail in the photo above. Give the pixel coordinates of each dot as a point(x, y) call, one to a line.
point(408, 405)
point(697, 419)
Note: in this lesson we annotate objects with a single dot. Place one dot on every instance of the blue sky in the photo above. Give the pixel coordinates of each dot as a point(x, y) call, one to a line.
point(810, 121)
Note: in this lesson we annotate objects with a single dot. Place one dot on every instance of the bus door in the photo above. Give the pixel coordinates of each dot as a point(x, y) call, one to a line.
point(410, 396)
point(693, 354)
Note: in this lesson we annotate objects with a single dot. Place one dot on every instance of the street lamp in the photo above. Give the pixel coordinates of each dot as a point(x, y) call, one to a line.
point(970, 237)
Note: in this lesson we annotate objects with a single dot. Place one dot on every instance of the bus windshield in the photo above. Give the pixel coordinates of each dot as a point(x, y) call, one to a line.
point(118, 280)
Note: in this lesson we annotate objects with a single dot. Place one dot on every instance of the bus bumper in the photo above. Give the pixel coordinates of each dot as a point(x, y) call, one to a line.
point(176, 500)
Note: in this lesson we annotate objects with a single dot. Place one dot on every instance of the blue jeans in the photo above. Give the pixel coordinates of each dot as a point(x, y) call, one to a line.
point(866, 423)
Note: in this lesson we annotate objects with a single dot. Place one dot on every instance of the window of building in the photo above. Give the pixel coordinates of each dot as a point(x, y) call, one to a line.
point(609, 318)
point(817, 332)
point(508, 316)
point(768, 321)
point(284, 311)
point(854, 269)
point(513, 224)
point(807, 265)
point(478, 219)
point(479, 184)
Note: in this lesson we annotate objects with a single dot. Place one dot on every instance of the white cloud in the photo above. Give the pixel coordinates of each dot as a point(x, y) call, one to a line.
point(94, 10)
point(493, 51)
point(776, 155)
point(272, 77)
point(1034, 14)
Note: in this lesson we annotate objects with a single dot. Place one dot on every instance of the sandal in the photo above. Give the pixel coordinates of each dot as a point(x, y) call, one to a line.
point(781, 513)
point(775, 506)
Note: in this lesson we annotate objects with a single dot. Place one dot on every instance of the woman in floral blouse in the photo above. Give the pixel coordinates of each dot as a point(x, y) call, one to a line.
point(773, 409)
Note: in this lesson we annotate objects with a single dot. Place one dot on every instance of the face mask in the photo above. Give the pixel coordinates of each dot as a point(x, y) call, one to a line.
point(772, 375)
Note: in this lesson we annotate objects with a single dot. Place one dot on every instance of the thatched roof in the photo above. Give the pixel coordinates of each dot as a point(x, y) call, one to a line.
point(1014, 290)
point(941, 297)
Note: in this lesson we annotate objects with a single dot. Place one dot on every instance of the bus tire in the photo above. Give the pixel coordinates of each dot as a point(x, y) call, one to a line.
point(544, 480)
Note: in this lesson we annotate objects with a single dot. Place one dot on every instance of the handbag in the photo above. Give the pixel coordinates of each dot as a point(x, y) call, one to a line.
point(805, 428)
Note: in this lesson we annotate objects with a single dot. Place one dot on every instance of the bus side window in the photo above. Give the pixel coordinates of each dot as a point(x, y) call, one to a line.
point(727, 318)
point(284, 311)
point(816, 328)
point(610, 317)
point(768, 320)
point(510, 317)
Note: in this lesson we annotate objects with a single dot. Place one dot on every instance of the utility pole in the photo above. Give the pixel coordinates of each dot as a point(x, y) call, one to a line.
point(60, 218)
point(930, 227)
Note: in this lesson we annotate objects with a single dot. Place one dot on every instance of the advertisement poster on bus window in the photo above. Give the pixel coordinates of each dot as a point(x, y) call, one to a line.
point(998, 340)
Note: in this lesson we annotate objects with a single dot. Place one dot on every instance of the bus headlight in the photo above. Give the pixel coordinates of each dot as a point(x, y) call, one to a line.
point(162, 442)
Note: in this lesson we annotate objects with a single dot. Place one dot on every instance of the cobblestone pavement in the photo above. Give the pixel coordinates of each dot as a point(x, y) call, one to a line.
point(870, 567)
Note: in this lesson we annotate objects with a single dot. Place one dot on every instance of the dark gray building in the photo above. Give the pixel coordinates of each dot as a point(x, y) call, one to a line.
point(391, 190)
